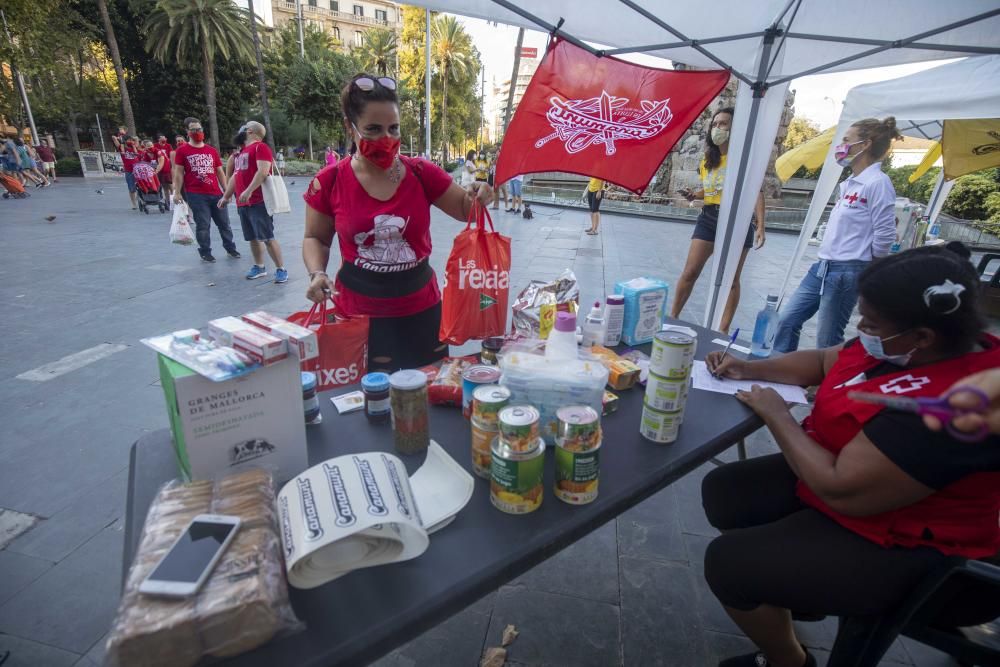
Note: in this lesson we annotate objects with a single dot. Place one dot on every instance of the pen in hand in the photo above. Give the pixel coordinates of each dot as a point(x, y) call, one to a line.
point(732, 339)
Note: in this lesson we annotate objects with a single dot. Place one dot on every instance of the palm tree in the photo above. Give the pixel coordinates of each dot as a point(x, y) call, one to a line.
point(451, 52)
point(379, 51)
point(109, 34)
point(184, 29)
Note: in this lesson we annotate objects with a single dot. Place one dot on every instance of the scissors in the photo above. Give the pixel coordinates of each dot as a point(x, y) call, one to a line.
point(936, 407)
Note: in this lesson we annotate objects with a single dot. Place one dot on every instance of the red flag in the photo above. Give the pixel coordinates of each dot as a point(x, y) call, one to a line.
point(602, 117)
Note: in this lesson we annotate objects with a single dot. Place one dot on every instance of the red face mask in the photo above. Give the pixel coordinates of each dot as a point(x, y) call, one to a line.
point(381, 152)
point(163, 142)
point(197, 137)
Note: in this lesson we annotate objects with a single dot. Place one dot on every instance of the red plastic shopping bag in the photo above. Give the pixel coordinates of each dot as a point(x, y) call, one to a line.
point(477, 280)
point(342, 342)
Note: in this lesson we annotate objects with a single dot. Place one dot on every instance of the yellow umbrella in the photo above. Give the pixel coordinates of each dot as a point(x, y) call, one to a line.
point(970, 145)
point(932, 155)
point(810, 155)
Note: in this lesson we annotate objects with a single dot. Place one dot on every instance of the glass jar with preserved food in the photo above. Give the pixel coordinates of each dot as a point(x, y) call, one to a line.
point(408, 401)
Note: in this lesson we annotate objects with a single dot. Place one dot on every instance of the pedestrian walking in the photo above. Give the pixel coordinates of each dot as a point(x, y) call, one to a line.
point(469, 169)
point(862, 227)
point(27, 166)
point(330, 156)
point(48, 158)
point(130, 153)
point(482, 168)
point(594, 192)
point(279, 161)
point(162, 151)
point(515, 184)
point(252, 165)
point(197, 169)
point(37, 168)
point(712, 172)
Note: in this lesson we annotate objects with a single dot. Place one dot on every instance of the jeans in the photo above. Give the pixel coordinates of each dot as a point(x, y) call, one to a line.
point(832, 289)
point(204, 210)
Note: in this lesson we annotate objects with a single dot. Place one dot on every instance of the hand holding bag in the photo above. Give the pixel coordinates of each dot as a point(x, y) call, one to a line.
point(180, 226)
point(342, 342)
point(477, 282)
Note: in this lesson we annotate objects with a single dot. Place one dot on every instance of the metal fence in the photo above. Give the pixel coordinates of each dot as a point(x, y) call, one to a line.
point(967, 232)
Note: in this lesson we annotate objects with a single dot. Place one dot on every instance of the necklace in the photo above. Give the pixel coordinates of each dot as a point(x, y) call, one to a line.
point(394, 172)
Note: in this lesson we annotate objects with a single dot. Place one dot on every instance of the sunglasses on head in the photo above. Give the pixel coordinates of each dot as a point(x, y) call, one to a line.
point(367, 84)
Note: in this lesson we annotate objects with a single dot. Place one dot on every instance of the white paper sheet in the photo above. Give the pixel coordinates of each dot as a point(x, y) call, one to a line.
point(360, 510)
point(704, 380)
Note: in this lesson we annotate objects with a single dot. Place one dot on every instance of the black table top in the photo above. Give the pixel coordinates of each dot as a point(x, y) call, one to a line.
point(365, 614)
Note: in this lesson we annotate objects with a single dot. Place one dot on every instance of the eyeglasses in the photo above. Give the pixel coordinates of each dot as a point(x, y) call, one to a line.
point(367, 84)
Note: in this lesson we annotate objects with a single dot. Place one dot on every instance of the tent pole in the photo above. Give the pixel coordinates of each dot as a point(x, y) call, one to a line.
point(677, 45)
point(696, 46)
point(882, 42)
point(897, 44)
point(760, 89)
point(784, 35)
point(549, 28)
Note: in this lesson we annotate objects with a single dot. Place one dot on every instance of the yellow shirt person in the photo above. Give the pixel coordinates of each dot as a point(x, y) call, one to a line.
point(712, 181)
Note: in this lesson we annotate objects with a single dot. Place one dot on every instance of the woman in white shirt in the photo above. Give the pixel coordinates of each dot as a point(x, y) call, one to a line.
point(469, 170)
point(862, 227)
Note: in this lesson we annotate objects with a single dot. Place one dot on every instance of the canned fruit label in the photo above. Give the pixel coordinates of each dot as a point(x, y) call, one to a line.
point(482, 441)
point(659, 426)
point(487, 401)
point(577, 475)
point(473, 377)
point(519, 427)
point(516, 485)
point(666, 394)
point(579, 428)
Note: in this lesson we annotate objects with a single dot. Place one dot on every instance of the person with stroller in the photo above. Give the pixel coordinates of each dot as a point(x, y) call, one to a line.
point(130, 152)
point(197, 169)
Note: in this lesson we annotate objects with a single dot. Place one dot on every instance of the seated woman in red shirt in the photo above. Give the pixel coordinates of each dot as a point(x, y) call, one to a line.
point(378, 204)
point(862, 502)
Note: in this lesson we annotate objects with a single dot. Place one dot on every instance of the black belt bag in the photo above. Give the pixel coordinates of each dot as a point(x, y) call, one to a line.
point(385, 285)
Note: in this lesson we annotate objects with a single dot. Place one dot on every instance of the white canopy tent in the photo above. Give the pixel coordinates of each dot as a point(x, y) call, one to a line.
point(765, 44)
point(921, 102)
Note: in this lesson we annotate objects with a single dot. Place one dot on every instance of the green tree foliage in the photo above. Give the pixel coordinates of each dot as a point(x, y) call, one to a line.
point(970, 197)
point(412, 69)
point(920, 190)
point(377, 55)
point(452, 54)
point(800, 130)
point(204, 30)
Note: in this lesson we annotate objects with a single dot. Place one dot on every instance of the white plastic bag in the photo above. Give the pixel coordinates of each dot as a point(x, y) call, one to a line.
point(180, 227)
point(275, 195)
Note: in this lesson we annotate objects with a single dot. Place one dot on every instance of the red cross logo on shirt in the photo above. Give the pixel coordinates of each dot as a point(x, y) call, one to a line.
point(853, 197)
point(904, 384)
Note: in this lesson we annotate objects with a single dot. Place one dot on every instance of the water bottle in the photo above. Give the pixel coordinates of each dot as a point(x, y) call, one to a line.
point(765, 328)
point(593, 327)
point(934, 233)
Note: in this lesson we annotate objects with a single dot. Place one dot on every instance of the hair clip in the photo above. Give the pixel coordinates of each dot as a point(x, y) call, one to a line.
point(947, 287)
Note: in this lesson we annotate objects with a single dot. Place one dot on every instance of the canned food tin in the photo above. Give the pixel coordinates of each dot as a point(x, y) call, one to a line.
point(519, 426)
point(659, 426)
point(577, 474)
point(672, 354)
point(666, 394)
point(579, 428)
point(487, 401)
point(482, 439)
point(472, 377)
point(516, 477)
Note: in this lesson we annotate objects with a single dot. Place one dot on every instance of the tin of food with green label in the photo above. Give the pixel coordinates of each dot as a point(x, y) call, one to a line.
point(516, 477)
point(519, 426)
point(577, 454)
point(659, 426)
point(667, 394)
point(672, 354)
point(487, 401)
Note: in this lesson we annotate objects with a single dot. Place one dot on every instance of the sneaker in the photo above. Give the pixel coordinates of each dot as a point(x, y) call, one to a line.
point(207, 257)
point(256, 272)
point(280, 276)
point(235, 254)
point(510, 210)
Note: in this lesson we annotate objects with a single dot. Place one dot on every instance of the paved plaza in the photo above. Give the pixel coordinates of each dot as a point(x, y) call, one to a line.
point(85, 278)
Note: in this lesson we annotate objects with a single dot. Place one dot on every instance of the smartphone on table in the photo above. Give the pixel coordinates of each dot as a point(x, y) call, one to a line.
point(190, 561)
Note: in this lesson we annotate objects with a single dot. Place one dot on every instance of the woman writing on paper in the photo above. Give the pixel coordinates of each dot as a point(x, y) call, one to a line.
point(857, 484)
point(378, 205)
point(713, 175)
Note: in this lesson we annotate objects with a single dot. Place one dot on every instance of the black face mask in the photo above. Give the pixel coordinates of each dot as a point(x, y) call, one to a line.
point(240, 138)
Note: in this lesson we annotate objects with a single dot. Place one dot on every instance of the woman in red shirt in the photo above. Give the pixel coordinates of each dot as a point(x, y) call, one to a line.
point(378, 204)
point(863, 501)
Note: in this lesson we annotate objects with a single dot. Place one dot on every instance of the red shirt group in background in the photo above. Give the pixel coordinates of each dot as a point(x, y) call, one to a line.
point(245, 168)
point(200, 165)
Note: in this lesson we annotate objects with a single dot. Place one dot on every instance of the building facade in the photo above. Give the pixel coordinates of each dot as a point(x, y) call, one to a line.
point(526, 69)
point(344, 20)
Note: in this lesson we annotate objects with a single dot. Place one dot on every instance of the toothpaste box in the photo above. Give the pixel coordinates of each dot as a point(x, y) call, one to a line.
point(259, 345)
point(302, 343)
point(222, 329)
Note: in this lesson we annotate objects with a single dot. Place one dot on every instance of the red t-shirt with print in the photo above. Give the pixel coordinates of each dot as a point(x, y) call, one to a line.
point(381, 236)
point(164, 152)
point(245, 168)
point(199, 168)
point(129, 157)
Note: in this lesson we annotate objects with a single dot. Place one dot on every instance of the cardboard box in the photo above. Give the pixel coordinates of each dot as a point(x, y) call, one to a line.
point(253, 421)
point(260, 346)
point(302, 342)
point(622, 373)
point(222, 329)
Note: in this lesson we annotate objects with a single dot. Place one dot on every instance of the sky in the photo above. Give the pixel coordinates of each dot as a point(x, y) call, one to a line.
point(818, 98)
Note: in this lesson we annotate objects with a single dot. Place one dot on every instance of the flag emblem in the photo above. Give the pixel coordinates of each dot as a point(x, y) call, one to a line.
point(485, 301)
point(605, 119)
